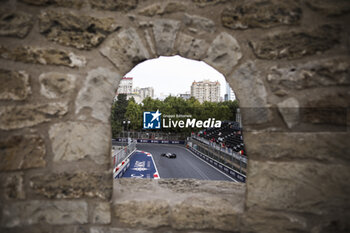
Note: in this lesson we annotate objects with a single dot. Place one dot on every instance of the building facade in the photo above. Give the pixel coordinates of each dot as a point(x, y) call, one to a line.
point(125, 86)
point(139, 94)
point(146, 92)
point(230, 95)
point(206, 91)
point(185, 96)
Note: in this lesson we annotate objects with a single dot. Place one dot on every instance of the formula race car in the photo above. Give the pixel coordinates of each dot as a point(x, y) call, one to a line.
point(169, 155)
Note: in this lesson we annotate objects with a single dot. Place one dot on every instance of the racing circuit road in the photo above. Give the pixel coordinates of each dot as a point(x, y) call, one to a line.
point(186, 165)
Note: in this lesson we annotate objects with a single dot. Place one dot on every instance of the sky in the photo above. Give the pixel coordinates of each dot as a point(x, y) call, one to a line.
point(173, 75)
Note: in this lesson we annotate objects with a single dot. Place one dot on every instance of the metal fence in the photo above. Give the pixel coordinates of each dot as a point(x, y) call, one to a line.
point(153, 135)
point(120, 155)
point(227, 151)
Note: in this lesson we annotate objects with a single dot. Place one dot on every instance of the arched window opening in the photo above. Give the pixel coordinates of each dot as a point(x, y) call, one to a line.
point(177, 118)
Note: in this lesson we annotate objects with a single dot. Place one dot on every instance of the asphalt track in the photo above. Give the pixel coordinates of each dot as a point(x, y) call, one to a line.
point(141, 166)
point(186, 165)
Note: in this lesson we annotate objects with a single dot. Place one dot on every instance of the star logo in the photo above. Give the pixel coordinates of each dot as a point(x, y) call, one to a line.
point(156, 115)
point(151, 120)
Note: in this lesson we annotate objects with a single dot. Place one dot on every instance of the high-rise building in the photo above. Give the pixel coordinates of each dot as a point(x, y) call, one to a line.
point(146, 92)
point(206, 91)
point(230, 95)
point(139, 94)
point(226, 97)
point(125, 86)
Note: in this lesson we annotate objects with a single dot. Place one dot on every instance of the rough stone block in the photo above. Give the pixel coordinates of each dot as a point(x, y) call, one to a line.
point(17, 24)
point(265, 221)
point(182, 204)
point(296, 44)
point(303, 196)
point(21, 152)
point(151, 10)
point(37, 2)
point(327, 111)
point(97, 94)
point(49, 212)
point(63, 3)
point(75, 185)
point(328, 7)
point(196, 213)
point(321, 73)
point(325, 147)
point(190, 47)
point(205, 3)
point(15, 85)
point(118, 230)
point(44, 56)
point(149, 214)
point(147, 35)
point(173, 7)
point(165, 32)
point(125, 50)
point(261, 14)
point(30, 229)
point(12, 185)
point(102, 213)
point(79, 31)
point(224, 53)
point(161, 9)
point(252, 94)
point(73, 141)
point(114, 5)
point(16, 117)
point(198, 24)
point(71, 229)
point(300, 187)
point(289, 109)
point(56, 85)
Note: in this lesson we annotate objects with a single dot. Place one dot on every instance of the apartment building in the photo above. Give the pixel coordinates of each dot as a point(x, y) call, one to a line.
point(206, 91)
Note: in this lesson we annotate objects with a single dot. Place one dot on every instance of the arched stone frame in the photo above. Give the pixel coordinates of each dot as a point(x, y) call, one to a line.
point(162, 37)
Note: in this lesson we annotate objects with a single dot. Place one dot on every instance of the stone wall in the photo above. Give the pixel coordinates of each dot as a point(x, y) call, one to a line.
point(61, 61)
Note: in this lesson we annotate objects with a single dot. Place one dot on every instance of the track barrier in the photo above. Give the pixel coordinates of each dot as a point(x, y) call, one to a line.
point(229, 171)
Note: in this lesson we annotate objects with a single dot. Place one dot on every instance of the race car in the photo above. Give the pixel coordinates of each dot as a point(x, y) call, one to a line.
point(169, 155)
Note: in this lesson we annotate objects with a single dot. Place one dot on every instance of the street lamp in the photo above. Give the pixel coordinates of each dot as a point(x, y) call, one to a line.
point(127, 122)
point(240, 160)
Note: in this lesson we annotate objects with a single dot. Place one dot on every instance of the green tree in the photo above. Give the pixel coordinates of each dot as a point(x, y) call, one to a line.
point(150, 104)
point(194, 107)
point(123, 109)
point(118, 114)
point(134, 115)
point(232, 106)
